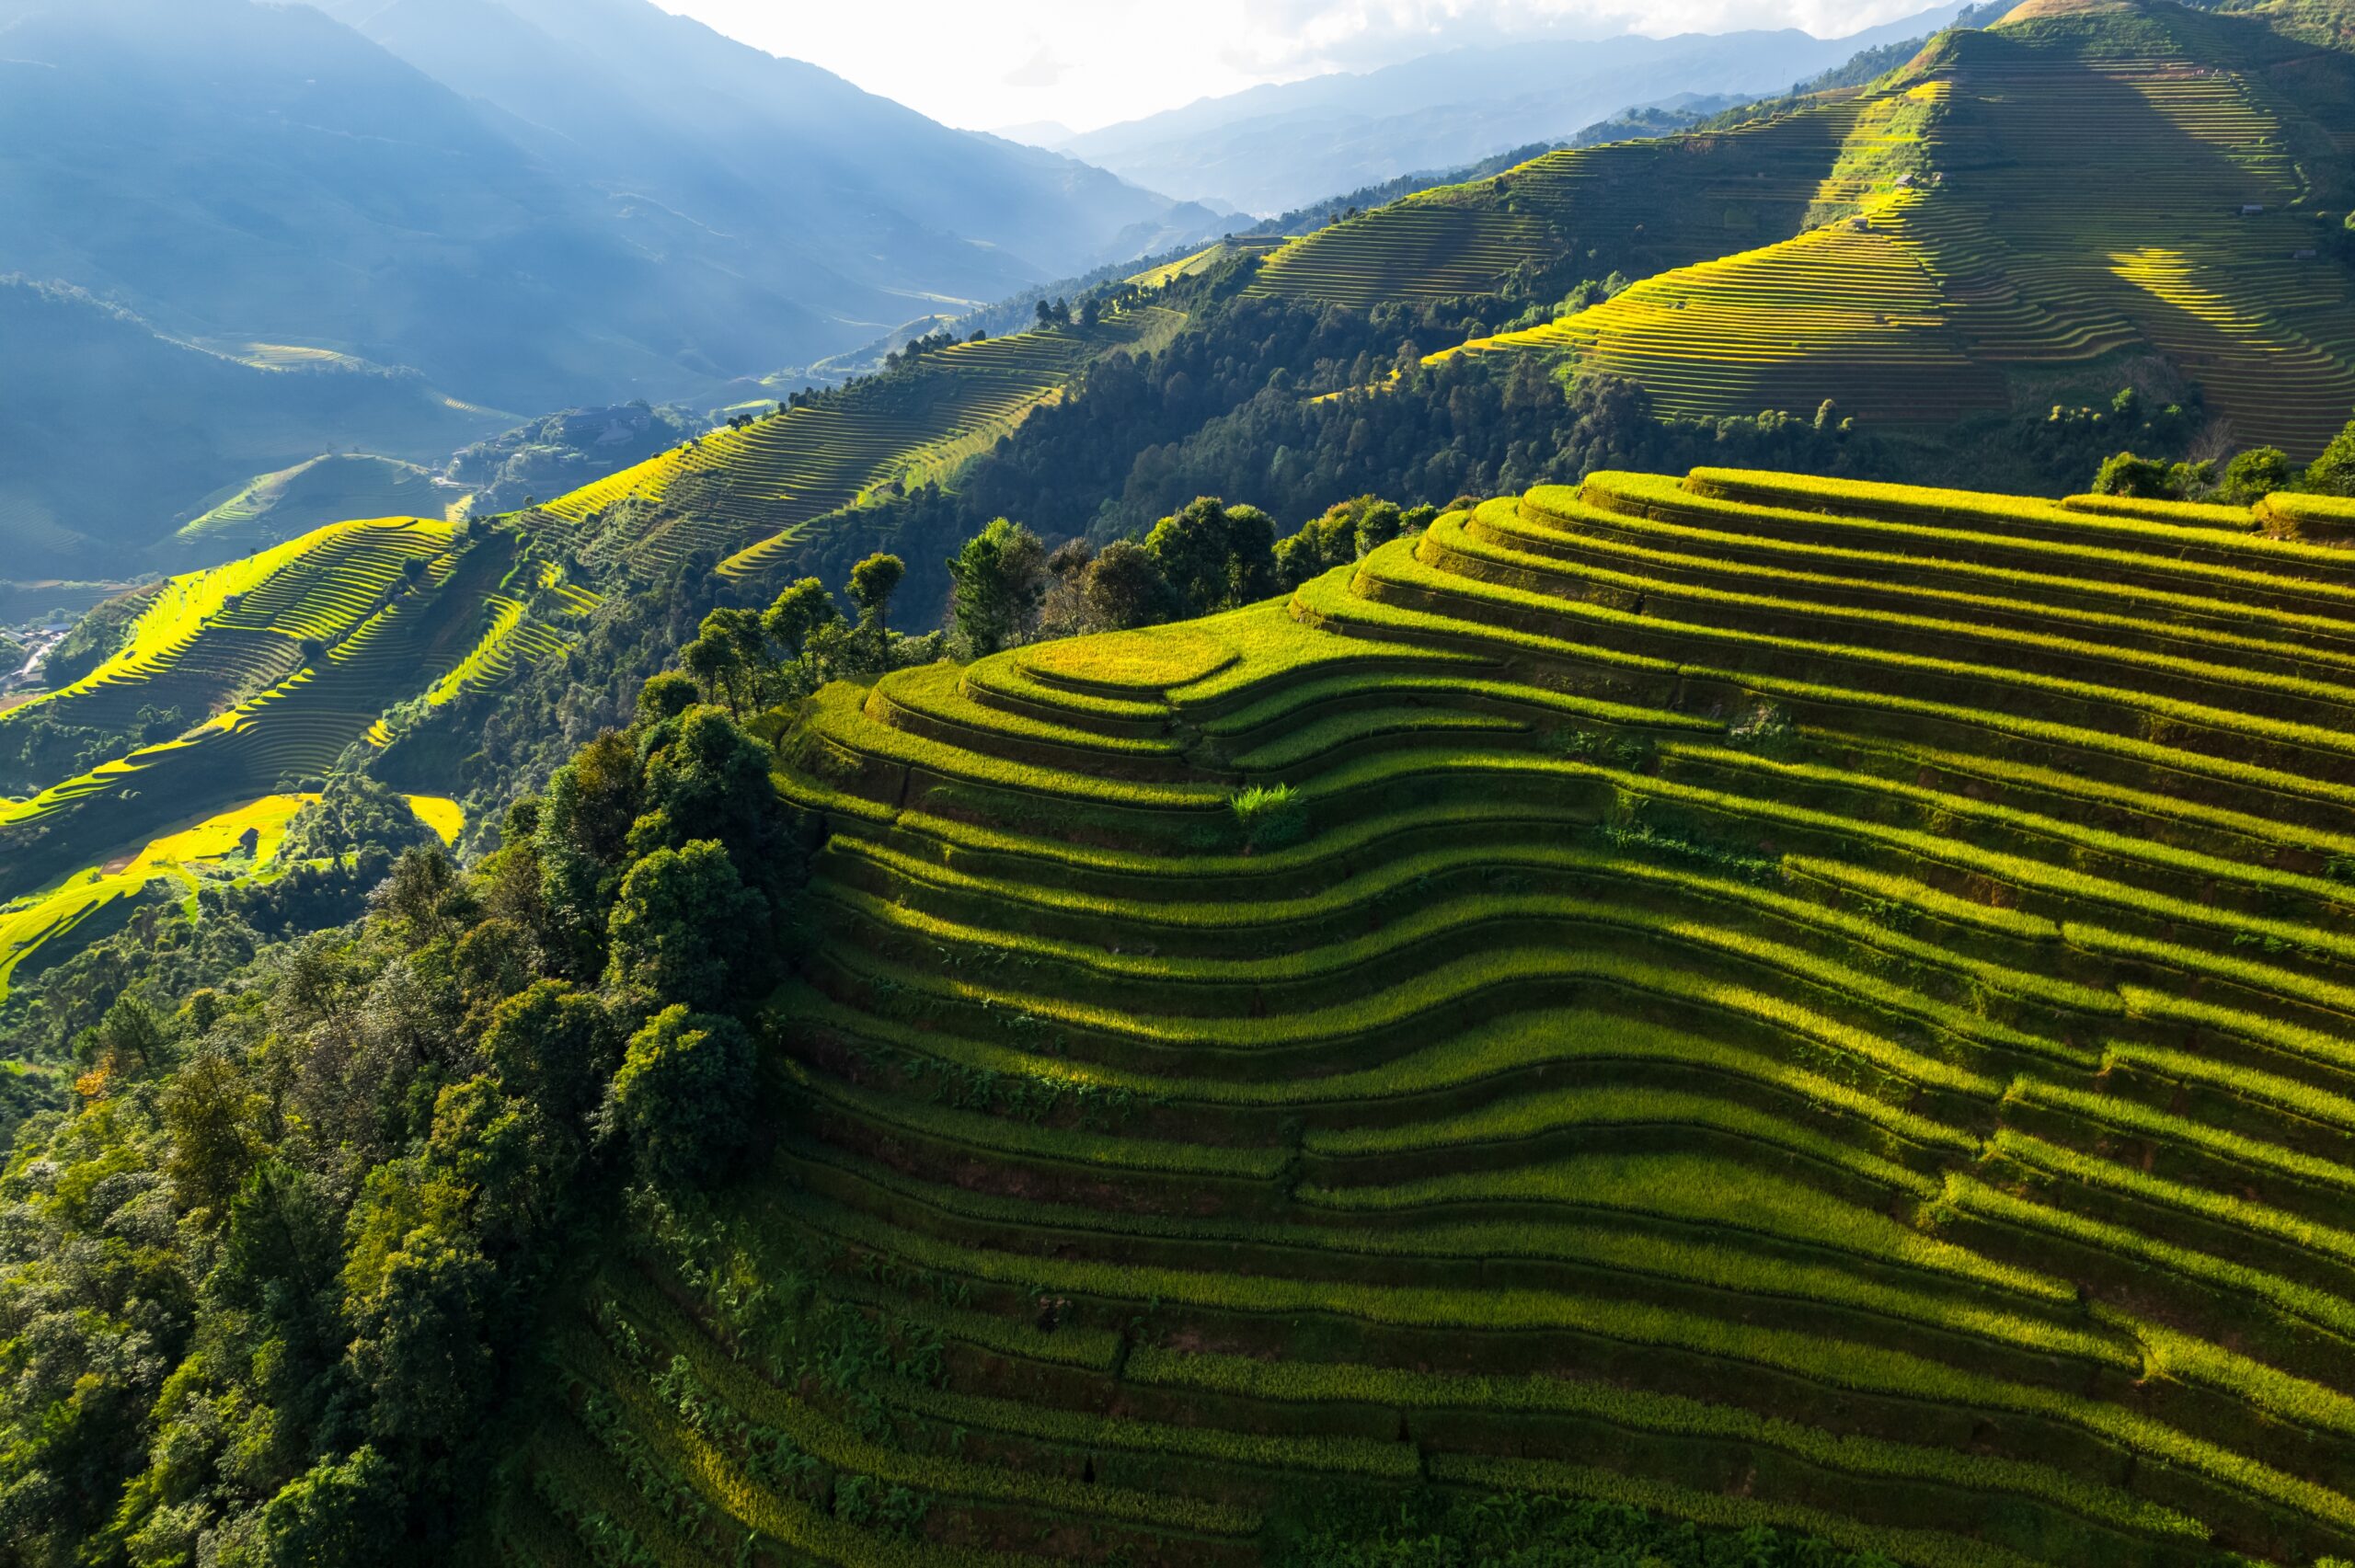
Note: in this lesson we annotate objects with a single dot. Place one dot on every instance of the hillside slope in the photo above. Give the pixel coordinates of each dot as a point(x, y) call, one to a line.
point(1629, 207)
point(264, 672)
point(215, 700)
point(276, 507)
point(1778, 1001)
point(178, 423)
point(2085, 194)
point(750, 494)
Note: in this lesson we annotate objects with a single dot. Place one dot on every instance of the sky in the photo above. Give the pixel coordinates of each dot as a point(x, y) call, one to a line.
point(990, 64)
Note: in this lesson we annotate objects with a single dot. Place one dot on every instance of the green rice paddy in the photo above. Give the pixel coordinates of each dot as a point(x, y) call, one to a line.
point(1796, 1003)
point(2024, 208)
point(278, 663)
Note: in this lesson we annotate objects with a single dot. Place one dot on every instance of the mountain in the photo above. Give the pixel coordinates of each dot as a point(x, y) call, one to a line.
point(594, 202)
point(643, 105)
point(181, 425)
point(1273, 148)
point(2084, 197)
point(589, 199)
point(1052, 135)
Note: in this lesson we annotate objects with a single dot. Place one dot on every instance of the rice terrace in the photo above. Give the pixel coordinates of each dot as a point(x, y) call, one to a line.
point(1633, 847)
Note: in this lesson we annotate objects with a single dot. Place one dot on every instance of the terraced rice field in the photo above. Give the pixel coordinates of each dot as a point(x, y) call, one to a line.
point(1203, 260)
point(1851, 312)
point(227, 648)
point(2084, 184)
point(1644, 205)
point(212, 637)
point(2114, 148)
point(57, 921)
point(747, 494)
point(1786, 1002)
point(48, 924)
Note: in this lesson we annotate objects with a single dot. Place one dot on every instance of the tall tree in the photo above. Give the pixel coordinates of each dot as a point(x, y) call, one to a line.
point(999, 576)
point(1215, 556)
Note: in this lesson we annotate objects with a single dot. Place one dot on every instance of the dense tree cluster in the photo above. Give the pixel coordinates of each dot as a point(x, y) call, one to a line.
point(267, 1288)
point(36, 749)
point(2250, 476)
point(1233, 408)
point(1056, 471)
point(1295, 410)
point(96, 637)
point(751, 659)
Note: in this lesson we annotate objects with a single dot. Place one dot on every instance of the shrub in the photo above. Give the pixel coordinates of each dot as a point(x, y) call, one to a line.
point(2257, 473)
point(2333, 474)
point(2127, 475)
point(1271, 816)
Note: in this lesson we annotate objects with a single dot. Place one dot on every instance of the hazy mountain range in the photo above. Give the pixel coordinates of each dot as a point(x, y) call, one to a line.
point(518, 204)
point(528, 202)
point(1273, 148)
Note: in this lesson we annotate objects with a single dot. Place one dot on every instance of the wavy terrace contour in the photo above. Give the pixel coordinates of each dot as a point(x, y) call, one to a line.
point(1785, 1002)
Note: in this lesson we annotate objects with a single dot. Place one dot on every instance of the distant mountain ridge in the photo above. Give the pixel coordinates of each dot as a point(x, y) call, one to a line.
point(112, 433)
point(517, 205)
point(531, 204)
point(1277, 147)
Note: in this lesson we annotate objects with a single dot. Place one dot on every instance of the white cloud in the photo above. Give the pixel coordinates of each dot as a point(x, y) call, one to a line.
point(1088, 62)
point(1043, 70)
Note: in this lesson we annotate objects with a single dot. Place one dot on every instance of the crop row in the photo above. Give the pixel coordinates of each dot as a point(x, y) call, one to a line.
point(1832, 1364)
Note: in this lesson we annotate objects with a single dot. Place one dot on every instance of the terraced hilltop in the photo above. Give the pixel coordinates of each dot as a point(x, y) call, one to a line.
point(1775, 1001)
point(2022, 216)
point(1638, 207)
